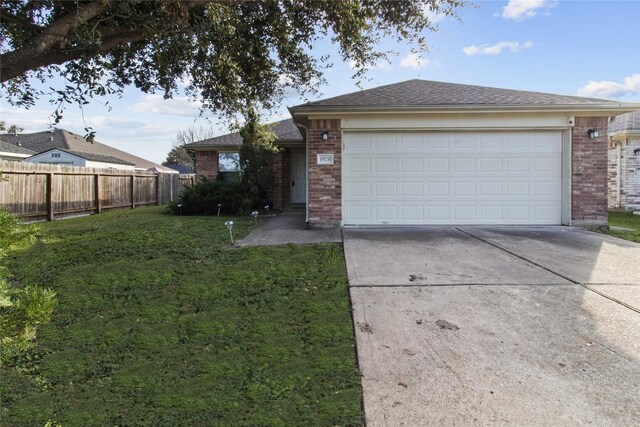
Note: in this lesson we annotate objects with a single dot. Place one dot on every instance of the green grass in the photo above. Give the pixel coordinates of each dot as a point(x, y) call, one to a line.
point(626, 220)
point(161, 322)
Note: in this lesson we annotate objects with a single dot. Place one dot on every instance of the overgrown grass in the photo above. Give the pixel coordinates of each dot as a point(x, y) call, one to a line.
point(160, 322)
point(626, 220)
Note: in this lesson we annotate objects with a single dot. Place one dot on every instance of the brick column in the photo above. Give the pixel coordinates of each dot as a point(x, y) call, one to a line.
point(325, 181)
point(207, 164)
point(589, 172)
point(278, 177)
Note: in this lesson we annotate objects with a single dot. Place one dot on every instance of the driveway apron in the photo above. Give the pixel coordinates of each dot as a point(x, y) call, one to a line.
point(500, 325)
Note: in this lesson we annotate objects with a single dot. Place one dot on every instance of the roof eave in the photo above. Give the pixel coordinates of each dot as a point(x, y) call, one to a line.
point(607, 109)
point(623, 134)
point(213, 147)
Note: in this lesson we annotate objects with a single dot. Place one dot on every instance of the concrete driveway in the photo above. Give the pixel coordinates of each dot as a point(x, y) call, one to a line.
point(496, 325)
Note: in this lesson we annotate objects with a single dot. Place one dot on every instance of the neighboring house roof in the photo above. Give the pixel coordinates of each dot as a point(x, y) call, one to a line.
point(6, 147)
point(182, 169)
point(625, 122)
point(430, 95)
point(63, 139)
point(91, 157)
point(286, 132)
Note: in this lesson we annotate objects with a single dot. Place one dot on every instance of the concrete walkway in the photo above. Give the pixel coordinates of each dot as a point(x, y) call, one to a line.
point(496, 325)
point(288, 227)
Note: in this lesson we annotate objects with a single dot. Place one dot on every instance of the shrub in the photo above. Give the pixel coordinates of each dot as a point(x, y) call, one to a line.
point(203, 197)
point(21, 309)
point(257, 150)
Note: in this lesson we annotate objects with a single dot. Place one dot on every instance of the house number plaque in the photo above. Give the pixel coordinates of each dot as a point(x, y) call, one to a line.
point(325, 159)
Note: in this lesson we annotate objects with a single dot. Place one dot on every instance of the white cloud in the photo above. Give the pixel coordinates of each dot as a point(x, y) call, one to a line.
point(608, 89)
point(380, 65)
point(177, 106)
point(497, 48)
point(413, 60)
point(433, 17)
point(523, 9)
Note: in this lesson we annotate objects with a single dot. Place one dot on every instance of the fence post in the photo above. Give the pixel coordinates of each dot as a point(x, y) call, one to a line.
point(133, 189)
point(50, 213)
point(158, 188)
point(97, 193)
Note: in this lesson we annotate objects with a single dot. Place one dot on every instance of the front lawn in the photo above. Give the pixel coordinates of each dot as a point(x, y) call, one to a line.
point(160, 322)
point(625, 220)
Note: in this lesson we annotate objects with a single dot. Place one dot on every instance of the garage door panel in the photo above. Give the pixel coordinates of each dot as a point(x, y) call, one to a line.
point(411, 165)
point(437, 165)
point(411, 143)
point(386, 189)
point(466, 165)
point(412, 189)
point(438, 188)
point(449, 178)
point(358, 189)
point(437, 142)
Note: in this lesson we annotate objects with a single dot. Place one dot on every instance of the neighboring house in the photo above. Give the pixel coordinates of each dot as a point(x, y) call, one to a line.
point(14, 152)
point(58, 156)
point(181, 169)
point(423, 152)
point(71, 142)
point(624, 161)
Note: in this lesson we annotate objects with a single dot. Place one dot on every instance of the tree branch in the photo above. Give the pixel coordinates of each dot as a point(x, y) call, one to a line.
point(23, 22)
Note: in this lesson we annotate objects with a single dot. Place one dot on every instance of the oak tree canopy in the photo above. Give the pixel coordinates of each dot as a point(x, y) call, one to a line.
point(225, 53)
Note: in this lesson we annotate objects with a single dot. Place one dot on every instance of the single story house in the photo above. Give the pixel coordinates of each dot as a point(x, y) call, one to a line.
point(58, 156)
point(290, 165)
point(14, 152)
point(624, 161)
point(60, 138)
point(422, 152)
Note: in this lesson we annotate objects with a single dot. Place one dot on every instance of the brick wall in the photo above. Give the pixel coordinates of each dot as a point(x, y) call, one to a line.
point(325, 181)
point(207, 164)
point(629, 174)
point(277, 163)
point(612, 174)
point(589, 172)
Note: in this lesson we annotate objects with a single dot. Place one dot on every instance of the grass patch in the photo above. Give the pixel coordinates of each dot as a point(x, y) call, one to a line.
point(160, 322)
point(625, 220)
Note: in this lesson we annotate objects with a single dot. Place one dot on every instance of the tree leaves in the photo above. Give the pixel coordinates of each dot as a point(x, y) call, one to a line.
point(227, 53)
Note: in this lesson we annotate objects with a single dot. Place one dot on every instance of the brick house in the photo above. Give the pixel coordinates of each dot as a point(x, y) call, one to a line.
point(624, 162)
point(289, 165)
point(423, 152)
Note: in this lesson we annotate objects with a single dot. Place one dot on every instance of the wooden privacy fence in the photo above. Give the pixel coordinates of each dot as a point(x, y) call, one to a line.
point(47, 192)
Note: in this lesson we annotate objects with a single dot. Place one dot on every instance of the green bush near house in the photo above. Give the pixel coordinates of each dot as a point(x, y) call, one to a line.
point(203, 197)
point(161, 322)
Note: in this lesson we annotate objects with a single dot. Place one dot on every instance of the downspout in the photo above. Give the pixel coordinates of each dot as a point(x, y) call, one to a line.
point(618, 174)
point(306, 163)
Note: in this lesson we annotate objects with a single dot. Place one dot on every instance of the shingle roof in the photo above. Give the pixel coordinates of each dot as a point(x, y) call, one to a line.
point(285, 130)
point(182, 169)
point(63, 139)
point(93, 157)
point(426, 93)
point(625, 122)
point(6, 147)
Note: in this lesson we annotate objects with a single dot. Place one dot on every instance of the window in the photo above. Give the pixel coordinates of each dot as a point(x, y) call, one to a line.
point(228, 162)
point(55, 154)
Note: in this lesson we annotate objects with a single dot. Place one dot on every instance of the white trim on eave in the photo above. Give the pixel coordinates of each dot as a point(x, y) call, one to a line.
point(624, 134)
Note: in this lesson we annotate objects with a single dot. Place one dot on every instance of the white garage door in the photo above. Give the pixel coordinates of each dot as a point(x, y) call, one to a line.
point(452, 178)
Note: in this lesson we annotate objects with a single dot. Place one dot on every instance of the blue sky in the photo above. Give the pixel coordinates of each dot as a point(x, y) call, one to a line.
point(586, 48)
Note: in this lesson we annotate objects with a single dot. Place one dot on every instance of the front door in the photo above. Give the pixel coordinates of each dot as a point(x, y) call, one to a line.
point(298, 176)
